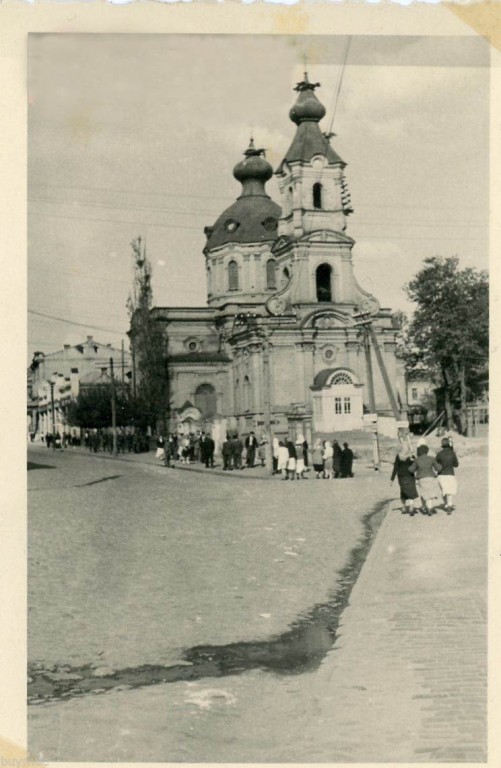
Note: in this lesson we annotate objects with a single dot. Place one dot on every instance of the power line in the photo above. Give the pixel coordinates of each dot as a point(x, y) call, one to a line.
point(339, 84)
point(115, 221)
point(90, 204)
point(135, 192)
point(200, 230)
point(404, 222)
point(73, 322)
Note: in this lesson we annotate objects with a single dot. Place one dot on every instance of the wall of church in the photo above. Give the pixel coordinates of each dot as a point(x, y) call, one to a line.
point(239, 273)
point(194, 336)
point(185, 380)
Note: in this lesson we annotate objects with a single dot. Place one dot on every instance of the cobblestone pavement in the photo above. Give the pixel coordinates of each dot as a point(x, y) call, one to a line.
point(411, 659)
point(404, 682)
point(130, 563)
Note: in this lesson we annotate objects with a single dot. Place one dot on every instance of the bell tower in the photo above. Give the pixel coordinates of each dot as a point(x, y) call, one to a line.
point(311, 175)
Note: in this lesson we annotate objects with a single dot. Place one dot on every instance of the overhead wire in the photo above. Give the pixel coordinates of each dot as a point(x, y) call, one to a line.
point(74, 322)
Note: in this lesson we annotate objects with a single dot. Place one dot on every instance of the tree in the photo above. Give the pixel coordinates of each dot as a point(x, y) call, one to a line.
point(448, 335)
point(92, 408)
point(150, 384)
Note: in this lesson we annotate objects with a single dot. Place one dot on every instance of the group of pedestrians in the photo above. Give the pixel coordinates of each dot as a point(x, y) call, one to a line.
point(232, 451)
point(332, 461)
point(290, 458)
point(188, 448)
point(96, 440)
point(426, 482)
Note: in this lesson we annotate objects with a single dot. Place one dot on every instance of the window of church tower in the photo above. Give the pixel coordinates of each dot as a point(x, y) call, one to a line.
point(271, 274)
point(233, 276)
point(317, 195)
point(323, 281)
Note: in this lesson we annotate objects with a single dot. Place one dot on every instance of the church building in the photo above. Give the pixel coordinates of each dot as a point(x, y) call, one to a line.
point(283, 343)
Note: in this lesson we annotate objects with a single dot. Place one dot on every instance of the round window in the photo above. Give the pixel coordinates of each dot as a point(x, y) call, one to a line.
point(270, 224)
point(193, 346)
point(231, 225)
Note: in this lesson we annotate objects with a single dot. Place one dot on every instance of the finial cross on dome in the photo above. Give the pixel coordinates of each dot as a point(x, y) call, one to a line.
point(305, 85)
point(252, 151)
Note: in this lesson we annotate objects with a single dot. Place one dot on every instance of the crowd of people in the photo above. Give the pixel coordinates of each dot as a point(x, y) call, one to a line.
point(426, 482)
point(189, 448)
point(290, 458)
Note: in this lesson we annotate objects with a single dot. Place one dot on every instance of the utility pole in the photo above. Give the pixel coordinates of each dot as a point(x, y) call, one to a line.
point(133, 352)
point(384, 372)
point(123, 367)
point(53, 415)
point(368, 365)
point(267, 400)
point(113, 409)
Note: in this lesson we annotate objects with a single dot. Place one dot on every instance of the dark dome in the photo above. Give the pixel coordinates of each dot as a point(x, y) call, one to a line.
point(253, 167)
point(307, 108)
point(251, 219)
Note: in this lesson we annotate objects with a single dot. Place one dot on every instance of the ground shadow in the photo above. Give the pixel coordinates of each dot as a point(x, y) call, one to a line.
point(35, 465)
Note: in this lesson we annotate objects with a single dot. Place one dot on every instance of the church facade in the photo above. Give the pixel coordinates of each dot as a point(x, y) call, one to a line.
point(282, 344)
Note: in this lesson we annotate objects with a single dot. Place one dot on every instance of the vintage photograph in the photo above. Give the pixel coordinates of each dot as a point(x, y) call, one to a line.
point(257, 259)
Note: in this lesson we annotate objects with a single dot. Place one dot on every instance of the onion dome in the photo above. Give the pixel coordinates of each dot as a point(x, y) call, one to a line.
point(255, 168)
point(253, 218)
point(309, 140)
point(307, 107)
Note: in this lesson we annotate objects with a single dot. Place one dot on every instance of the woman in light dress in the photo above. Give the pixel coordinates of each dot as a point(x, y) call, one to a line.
point(425, 469)
point(283, 458)
point(300, 467)
point(317, 458)
point(328, 456)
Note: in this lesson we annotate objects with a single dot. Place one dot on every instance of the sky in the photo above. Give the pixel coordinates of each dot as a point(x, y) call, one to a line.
point(138, 135)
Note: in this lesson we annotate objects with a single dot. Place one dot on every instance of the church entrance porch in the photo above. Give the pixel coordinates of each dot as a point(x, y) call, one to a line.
point(337, 401)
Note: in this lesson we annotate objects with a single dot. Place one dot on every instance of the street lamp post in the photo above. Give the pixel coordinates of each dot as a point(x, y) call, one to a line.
point(51, 383)
point(267, 398)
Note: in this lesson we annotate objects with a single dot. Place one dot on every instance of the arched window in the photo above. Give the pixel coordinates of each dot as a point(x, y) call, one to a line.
point(271, 273)
point(233, 276)
point(341, 378)
point(209, 280)
point(206, 400)
point(317, 195)
point(247, 394)
point(323, 280)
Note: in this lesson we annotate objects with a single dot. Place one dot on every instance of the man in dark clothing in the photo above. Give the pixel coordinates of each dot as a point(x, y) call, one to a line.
point(346, 461)
point(202, 449)
point(237, 450)
point(209, 448)
point(336, 458)
point(226, 452)
point(251, 447)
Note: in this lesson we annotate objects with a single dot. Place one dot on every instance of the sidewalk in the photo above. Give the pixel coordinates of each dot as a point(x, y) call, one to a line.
point(407, 677)
point(257, 472)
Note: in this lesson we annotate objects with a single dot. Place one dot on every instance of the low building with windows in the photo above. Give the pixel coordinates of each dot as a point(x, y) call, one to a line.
point(281, 334)
point(58, 376)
